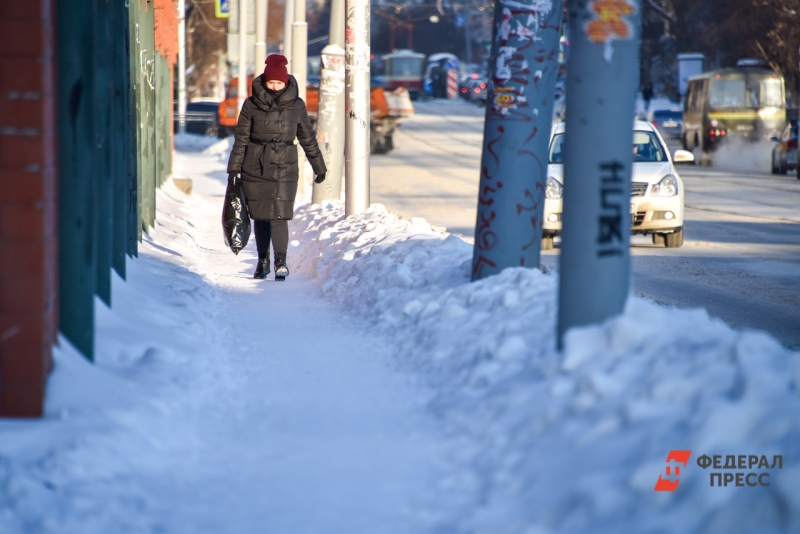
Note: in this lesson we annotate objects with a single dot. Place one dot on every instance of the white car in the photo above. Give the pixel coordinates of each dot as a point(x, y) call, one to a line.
point(656, 188)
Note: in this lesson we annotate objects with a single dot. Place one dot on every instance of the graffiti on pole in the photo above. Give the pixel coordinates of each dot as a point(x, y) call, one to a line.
point(603, 78)
point(516, 135)
point(331, 85)
point(610, 23)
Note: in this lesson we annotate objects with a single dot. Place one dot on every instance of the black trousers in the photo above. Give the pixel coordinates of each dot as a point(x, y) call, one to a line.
point(277, 231)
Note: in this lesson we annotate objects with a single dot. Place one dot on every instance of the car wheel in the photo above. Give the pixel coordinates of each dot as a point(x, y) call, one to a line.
point(547, 243)
point(797, 170)
point(774, 165)
point(658, 239)
point(782, 167)
point(674, 240)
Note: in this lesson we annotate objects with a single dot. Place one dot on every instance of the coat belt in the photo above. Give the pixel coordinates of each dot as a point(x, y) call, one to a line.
point(271, 143)
point(264, 160)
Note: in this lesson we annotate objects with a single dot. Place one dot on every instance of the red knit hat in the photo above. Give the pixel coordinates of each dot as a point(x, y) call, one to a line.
point(276, 68)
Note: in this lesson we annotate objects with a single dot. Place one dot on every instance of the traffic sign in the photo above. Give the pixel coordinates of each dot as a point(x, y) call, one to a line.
point(460, 20)
point(222, 8)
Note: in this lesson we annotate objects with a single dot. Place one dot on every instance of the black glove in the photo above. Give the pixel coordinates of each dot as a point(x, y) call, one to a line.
point(232, 176)
point(320, 178)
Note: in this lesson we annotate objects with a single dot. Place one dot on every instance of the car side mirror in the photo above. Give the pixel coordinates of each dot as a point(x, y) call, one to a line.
point(683, 156)
point(774, 139)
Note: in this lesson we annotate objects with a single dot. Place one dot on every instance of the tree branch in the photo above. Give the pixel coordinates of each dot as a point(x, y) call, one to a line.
point(661, 11)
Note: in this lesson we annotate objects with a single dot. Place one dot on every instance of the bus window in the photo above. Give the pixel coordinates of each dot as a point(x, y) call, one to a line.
point(727, 93)
point(765, 92)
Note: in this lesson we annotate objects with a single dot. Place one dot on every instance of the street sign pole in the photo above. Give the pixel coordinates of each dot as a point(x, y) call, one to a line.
point(330, 118)
point(299, 71)
point(357, 119)
point(182, 66)
point(516, 136)
point(602, 80)
point(288, 20)
point(260, 51)
point(242, 70)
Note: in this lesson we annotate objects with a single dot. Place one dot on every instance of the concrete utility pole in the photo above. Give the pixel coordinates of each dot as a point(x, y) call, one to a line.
point(330, 118)
point(242, 69)
point(516, 136)
point(357, 119)
point(260, 50)
point(602, 81)
point(299, 70)
point(288, 20)
point(182, 66)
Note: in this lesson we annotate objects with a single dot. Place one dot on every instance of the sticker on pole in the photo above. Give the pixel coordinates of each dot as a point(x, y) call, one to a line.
point(610, 23)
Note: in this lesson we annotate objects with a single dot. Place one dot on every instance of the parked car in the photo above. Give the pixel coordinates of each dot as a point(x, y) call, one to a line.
point(656, 188)
point(668, 122)
point(201, 118)
point(784, 154)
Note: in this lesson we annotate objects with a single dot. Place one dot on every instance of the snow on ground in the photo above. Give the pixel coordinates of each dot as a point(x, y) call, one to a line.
point(378, 390)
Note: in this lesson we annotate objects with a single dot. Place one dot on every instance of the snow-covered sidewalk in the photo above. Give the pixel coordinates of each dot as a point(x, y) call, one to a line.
point(377, 390)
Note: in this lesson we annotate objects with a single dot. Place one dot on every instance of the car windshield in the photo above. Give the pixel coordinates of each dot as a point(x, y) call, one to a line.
point(556, 147)
point(646, 148)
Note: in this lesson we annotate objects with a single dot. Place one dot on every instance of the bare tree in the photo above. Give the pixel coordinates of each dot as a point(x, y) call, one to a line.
point(205, 43)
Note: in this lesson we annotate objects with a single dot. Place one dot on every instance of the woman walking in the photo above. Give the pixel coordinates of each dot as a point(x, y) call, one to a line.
point(265, 155)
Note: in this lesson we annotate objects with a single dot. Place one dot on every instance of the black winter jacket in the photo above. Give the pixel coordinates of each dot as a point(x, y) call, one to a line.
point(264, 154)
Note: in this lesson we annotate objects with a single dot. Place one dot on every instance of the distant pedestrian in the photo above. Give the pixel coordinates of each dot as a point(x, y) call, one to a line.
point(647, 96)
point(265, 155)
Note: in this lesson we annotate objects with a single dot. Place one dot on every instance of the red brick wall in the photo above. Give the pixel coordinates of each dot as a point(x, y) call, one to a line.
point(166, 29)
point(28, 203)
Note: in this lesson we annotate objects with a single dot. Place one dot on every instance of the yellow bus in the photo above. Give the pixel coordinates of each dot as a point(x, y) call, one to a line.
point(745, 103)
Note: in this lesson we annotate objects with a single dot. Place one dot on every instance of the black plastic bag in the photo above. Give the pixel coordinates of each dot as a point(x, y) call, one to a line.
point(235, 217)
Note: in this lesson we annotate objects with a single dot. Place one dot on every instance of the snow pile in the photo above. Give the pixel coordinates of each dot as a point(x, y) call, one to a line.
point(572, 441)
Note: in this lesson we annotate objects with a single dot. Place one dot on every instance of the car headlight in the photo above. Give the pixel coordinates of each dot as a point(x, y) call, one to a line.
point(554, 189)
point(667, 187)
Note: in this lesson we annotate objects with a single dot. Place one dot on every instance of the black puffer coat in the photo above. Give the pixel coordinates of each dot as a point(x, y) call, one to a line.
point(264, 154)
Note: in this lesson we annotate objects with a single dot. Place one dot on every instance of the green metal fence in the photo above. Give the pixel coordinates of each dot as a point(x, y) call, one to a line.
point(114, 121)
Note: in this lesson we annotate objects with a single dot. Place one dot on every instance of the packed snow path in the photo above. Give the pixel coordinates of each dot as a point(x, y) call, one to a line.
point(264, 409)
point(377, 390)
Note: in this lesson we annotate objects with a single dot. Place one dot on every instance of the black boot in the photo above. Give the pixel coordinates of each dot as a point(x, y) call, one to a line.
point(262, 269)
point(281, 270)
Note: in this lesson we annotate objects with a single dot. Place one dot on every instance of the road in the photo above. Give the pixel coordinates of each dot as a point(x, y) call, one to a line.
point(741, 254)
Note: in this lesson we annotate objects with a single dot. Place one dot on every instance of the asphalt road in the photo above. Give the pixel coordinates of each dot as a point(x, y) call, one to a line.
point(741, 254)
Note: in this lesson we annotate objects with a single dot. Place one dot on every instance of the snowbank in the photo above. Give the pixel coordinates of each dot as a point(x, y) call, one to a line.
point(572, 441)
